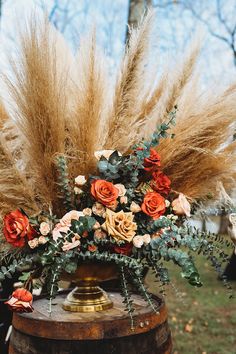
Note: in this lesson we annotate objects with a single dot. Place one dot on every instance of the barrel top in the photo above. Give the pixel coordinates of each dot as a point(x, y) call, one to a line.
point(115, 322)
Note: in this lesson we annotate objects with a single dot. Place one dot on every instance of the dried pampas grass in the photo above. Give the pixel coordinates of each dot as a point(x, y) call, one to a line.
point(202, 153)
point(15, 191)
point(125, 118)
point(85, 126)
point(39, 93)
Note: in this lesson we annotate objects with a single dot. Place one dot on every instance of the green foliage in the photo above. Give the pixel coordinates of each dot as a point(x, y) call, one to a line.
point(64, 183)
point(126, 295)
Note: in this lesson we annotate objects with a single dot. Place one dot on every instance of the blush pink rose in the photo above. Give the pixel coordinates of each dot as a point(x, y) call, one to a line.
point(181, 206)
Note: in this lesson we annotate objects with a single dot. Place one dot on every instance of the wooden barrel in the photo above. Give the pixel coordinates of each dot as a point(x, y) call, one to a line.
point(106, 332)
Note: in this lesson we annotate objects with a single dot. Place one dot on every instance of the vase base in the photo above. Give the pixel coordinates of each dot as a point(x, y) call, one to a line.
point(87, 298)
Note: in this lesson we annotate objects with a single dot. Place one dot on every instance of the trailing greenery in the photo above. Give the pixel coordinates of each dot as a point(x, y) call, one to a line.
point(64, 183)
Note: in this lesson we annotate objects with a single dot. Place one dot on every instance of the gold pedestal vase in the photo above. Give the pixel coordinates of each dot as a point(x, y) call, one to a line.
point(88, 296)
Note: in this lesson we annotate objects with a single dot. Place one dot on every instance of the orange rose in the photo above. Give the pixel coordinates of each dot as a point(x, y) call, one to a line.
point(152, 162)
point(17, 229)
point(105, 192)
point(21, 301)
point(153, 205)
point(160, 183)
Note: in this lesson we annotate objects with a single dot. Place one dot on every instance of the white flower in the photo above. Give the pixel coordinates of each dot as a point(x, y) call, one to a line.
point(121, 188)
point(105, 153)
point(80, 180)
point(138, 241)
point(44, 228)
point(134, 207)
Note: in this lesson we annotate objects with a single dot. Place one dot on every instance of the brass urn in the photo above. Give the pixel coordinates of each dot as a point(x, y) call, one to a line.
point(88, 296)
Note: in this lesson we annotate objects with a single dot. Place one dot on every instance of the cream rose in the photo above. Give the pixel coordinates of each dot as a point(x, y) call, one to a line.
point(80, 180)
point(105, 153)
point(181, 205)
point(135, 208)
point(139, 240)
point(44, 228)
point(120, 225)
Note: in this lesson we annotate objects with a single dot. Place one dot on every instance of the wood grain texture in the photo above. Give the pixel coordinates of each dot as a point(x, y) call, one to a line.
point(106, 332)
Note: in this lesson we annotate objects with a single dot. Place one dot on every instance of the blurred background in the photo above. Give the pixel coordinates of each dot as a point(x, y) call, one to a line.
point(202, 320)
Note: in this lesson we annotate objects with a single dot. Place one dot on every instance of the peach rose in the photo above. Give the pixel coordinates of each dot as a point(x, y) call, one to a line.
point(105, 153)
point(121, 188)
point(75, 242)
point(44, 228)
point(71, 215)
point(96, 225)
point(98, 209)
point(135, 208)
point(105, 192)
point(124, 200)
point(154, 205)
point(181, 206)
point(99, 234)
point(120, 225)
point(33, 243)
point(58, 229)
point(42, 240)
point(87, 211)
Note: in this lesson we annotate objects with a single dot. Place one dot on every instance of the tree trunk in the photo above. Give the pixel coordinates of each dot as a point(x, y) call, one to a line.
point(136, 9)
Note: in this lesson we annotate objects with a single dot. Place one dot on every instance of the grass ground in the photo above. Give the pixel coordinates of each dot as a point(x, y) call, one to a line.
point(202, 320)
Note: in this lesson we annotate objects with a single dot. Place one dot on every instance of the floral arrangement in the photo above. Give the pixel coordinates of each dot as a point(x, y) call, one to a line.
point(62, 206)
point(127, 214)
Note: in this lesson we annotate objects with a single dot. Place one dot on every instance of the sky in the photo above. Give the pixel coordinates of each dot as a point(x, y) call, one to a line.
point(174, 31)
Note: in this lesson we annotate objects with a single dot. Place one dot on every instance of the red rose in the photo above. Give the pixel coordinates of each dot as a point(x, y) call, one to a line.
point(105, 192)
point(152, 162)
point(125, 249)
point(21, 301)
point(160, 183)
point(153, 205)
point(17, 229)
